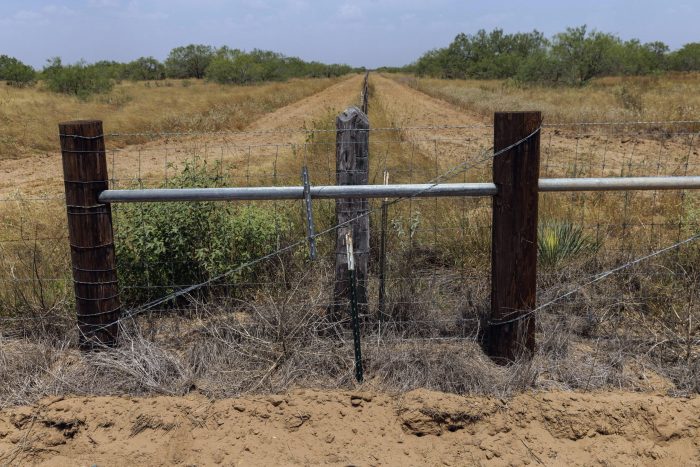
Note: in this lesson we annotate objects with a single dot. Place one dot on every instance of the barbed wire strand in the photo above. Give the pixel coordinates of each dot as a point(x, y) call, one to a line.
point(406, 128)
point(596, 278)
point(449, 173)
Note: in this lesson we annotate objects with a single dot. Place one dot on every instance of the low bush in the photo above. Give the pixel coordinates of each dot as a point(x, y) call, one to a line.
point(79, 79)
point(163, 246)
point(16, 73)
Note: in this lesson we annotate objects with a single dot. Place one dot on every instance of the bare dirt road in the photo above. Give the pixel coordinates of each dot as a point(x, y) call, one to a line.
point(346, 428)
point(435, 133)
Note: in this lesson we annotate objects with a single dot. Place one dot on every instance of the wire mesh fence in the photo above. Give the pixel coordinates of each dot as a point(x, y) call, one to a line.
point(241, 271)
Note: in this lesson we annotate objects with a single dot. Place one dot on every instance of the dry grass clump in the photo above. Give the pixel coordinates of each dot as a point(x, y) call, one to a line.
point(30, 115)
point(40, 368)
point(35, 287)
point(654, 98)
point(281, 340)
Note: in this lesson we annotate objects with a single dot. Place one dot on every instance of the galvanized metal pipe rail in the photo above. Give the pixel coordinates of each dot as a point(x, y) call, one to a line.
point(426, 190)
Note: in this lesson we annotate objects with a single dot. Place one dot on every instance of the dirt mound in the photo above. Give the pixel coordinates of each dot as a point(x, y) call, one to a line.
point(348, 428)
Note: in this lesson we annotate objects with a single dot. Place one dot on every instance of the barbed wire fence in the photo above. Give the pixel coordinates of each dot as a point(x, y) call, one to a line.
point(613, 266)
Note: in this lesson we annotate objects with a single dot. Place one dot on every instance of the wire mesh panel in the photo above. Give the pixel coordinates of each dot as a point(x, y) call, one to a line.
point(423, 237)
point(615, 267)
point(241, 272)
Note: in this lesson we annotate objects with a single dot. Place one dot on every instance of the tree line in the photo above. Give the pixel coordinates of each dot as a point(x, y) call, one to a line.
point(572, 57)
point(195, 61)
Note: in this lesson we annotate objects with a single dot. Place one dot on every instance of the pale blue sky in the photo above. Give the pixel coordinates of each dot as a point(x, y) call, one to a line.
point(359, 32)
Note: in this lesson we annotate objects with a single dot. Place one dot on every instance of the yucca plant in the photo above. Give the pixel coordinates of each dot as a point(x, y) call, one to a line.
point(558, 241)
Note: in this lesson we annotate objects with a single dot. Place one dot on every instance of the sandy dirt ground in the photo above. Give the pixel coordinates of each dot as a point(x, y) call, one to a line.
point(347, 428)
point(429, 131)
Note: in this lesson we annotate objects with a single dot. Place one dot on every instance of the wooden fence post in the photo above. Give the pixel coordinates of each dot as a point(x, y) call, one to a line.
point(352, 168)
point(90, 233)
point(511, 330)
point(365, 94)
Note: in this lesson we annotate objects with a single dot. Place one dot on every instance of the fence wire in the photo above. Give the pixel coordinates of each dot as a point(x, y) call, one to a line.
point(612, 266)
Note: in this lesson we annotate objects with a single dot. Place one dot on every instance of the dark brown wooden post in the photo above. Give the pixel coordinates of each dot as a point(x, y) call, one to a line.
point(511, 330)
point(90, 233)
point(352, 168)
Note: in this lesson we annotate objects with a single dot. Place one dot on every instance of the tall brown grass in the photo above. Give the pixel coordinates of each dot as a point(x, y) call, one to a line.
point(30, 115)
point(652, 98)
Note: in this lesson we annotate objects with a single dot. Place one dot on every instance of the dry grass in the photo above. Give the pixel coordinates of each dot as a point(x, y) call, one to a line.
point(35, 283)
point(653, 98)
point(281, 341)
point(29, 115)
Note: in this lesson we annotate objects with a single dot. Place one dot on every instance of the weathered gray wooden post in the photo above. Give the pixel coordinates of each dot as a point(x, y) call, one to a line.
point(352, 168)
point(365, 94)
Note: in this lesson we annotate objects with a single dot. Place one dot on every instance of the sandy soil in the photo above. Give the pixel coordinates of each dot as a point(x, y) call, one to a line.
point(440, 145)
point(344, 428)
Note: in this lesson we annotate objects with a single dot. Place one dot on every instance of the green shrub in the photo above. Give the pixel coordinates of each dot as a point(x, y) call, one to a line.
point(573, 57)
point(144, 68)
point(687, 58)
point(79, 79)
point(16, 73)
point(189, 61)
point(165, 245)
point(237, 70)
point(233, 66)
point(558, 241)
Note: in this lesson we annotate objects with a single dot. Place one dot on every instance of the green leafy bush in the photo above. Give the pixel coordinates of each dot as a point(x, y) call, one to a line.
point(558, 241)
point(572, 57)
point(79, 79)
point(144, 68)
point(233, 66)
point(16, 73)
point(166, 245)
point(686, 58)
point(189, 61)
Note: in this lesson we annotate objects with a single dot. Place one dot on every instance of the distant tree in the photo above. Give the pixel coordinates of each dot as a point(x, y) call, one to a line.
point(16, 73)
point(434, 63)
point(483, 55)
point(295, 67)
point(584, 55)
point(240, 69)
point(144, 69)
point(573, 57)
point(79, 79)
point(271, 65)
point(687, 58)
point(234, 66)
point(189, 61)
point(540, 67)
